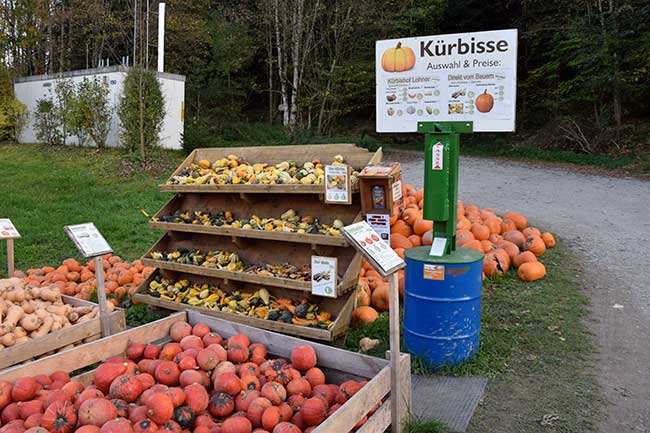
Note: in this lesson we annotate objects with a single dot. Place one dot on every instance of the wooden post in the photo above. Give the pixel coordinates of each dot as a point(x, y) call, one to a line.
point(10, 257)
point(101, 297)
point(395, 394)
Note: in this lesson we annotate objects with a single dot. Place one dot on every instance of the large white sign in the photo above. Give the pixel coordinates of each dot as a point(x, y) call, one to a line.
point(458, 77)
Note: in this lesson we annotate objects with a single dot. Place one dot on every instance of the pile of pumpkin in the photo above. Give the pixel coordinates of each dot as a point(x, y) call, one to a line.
point(506, 242)
point(74, 279)
point(197, 383)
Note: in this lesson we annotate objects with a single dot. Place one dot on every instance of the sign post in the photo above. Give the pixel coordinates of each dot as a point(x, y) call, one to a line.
point(91, 244)
point(9, 232)
point(386, 261)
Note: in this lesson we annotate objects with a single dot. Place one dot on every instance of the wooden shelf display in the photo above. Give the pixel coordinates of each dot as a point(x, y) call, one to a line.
point(353, 156)
point(340, 308)
point(253, 252)
point(250, 255)
point(259, 205)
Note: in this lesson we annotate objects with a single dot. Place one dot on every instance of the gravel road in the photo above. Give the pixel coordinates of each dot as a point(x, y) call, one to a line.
point(607, 221)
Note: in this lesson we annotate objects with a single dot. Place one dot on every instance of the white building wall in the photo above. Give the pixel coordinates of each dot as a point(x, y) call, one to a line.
point(30, 89)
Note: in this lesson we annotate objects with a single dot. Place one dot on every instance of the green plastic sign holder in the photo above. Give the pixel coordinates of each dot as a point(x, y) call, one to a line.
point(441, 154)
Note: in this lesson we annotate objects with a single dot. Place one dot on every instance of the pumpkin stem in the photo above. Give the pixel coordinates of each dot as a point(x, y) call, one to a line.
point(399, 45)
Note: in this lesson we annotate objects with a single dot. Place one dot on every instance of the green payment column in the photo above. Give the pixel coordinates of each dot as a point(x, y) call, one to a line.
point(442, 293)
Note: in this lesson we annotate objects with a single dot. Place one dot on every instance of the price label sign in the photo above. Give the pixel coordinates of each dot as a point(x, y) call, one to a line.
point(88, 240)
point(7, 229)
point(369, 243)
point(338, 184)
point(323, 276)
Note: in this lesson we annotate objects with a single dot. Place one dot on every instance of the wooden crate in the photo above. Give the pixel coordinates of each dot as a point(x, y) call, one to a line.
point(55, 340)
point(339, 365)
point(340, 307)
point(355, 156)
point(257, 251)
point(246, 205)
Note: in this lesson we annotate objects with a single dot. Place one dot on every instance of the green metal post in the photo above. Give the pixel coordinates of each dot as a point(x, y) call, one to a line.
point(441, 153)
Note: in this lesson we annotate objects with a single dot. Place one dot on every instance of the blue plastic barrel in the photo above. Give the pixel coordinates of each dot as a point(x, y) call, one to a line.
point(442, 305)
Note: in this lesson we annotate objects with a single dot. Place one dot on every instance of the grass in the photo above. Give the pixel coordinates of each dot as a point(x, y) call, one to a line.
point(535, 349)
point(47, 189)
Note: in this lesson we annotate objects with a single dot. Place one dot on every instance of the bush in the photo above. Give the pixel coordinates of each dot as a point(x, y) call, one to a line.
point(141, 111)
point(92, 112)
point(47, 122)
point(13, 114)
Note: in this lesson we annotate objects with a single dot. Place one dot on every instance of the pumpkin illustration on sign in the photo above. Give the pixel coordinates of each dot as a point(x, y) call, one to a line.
point(484, 102)
point(398, 59)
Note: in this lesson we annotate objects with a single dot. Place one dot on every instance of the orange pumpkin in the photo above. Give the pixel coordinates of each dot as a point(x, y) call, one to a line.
point(415, 240)
point(363, 315)
point(400, 241)
point(531, 271)
point(421, 226)
point(402, 228)
point(507, 225)
point(536, 245)
point(363, 293)
point(487, 246)
point(521, 222)
point(463, 224)
point(516, 237)
point(548, 239)
point(509, 247)
point(410, 215)
point(523, 257)
point(481, 232)
point(531, 231)
point(427, 238)
point(379, 297)
point(494, 225)
point(484, 102)
point(463, 236)
point(474, 245)
point(303, 357)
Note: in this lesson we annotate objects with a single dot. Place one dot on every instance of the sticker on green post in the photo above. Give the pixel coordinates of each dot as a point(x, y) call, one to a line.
point(438, 247)
point(438, 151)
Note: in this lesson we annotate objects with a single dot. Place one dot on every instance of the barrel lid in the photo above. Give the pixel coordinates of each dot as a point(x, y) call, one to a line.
point(461, 255)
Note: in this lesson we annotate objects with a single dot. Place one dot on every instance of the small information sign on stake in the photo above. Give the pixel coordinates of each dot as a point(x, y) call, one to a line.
point(386, 261)
point(9, 232)
point(90, 243)
point(338, 184)
point(323, 276)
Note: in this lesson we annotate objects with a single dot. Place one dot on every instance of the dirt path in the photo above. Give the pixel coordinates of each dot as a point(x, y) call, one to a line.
point(607, 221)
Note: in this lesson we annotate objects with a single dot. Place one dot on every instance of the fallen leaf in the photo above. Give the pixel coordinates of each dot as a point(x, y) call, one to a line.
point(532, 357)
point(552, 328)
point(549, 419)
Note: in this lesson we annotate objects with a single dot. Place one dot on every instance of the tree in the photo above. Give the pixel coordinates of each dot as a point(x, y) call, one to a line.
point(64, 96)
point(92, 111)
point(141, 111)
point(13, 114)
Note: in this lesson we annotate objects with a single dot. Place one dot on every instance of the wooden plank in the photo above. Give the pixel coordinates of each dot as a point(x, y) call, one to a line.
point(394, 339)
point(342, 322)
point(93, 352)
point(282, 345)
point(405, 396)
point(348, 415)
point(379, 421)
point(10, 258)
point(337, 241)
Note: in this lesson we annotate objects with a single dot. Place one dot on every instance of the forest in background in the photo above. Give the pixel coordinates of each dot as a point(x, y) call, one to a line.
point(257, 70)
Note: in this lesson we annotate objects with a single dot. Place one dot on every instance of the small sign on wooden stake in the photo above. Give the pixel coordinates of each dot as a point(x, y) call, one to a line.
point(9, 232)
point(90, 243)
point(386, 261)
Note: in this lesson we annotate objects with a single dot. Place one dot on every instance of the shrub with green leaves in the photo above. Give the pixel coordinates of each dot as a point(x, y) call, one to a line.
point(47, 122)
point(91, 112)
point(13, 114)
point(141, 111)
